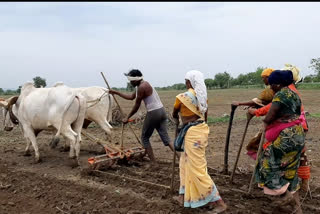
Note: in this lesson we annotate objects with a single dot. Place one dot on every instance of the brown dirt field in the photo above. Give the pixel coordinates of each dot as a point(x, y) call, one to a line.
point(53, 186)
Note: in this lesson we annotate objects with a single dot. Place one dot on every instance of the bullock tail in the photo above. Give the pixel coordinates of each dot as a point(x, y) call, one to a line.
point(81, 116)
point(54, 142)
point(109, 115)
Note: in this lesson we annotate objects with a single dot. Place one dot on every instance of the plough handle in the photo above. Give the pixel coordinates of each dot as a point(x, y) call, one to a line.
point(174, 161)
point(105, 80)
point(249, 117)
point(120, 107)
point(257, 160)
point(226, 149)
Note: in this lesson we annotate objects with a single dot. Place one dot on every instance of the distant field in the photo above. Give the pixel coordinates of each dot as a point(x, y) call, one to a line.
point(220, 100)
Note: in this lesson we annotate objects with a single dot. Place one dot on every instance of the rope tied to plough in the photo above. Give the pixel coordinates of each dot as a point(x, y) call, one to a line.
point(96, 101)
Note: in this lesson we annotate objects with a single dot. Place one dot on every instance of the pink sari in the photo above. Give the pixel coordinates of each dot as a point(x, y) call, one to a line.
point(273, 130)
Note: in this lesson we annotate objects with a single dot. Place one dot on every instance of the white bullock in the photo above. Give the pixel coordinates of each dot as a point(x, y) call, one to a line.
point(99, 107)
point(57, 108)
point(7, 122)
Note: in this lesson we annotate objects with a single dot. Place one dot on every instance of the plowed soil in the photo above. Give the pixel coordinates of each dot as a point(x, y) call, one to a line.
point(135, 186)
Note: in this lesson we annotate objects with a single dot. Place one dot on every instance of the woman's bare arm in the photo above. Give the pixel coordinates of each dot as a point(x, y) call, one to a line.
point(272, 114)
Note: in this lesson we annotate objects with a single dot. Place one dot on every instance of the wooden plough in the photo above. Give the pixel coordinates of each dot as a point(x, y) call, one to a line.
point(112, 153)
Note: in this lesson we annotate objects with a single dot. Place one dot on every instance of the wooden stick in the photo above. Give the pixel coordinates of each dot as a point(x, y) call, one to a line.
point(99, 141)
point(249, 117)
point(61, 210)
point(257, 161)
point(173, 171)
point(133, 179)
point(174, 161)
point(95, 140)
point(122, 129)
point(313, 208)
point(120, 108)
point(219, 174)
point(309, 190)
point(226, 150)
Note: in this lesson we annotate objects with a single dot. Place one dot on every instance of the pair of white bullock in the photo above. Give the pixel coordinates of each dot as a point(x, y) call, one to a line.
point(61, 108)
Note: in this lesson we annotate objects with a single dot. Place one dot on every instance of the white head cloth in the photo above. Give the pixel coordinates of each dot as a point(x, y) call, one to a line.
point(197, 82)
point(134, 78)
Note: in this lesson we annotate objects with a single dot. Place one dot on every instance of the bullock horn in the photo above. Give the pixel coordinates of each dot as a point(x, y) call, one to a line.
point(12, 100)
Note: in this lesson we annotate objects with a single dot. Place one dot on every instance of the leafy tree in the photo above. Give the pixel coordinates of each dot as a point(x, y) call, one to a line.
point(252, 78)
point(1, 91)
point(129, 87)
point(179, 86)
point(259, 71)
point(10, 92)
point(223, 79)
point(210, 83)
point(307, 79)
point(242, 79)
point(257, 78)
point(38, 82)
point(19, 89)
point(315, 65)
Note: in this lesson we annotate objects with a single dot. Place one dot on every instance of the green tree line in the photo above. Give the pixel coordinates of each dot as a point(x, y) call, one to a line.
point(38, 82)
point(220, 80)
point(315, 66)
point(225, 80)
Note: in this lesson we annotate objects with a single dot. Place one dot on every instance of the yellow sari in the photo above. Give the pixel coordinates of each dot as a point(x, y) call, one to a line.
point(195, 182)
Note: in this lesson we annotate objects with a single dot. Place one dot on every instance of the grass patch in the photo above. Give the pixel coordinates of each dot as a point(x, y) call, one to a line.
point(315, 115)
point(308, 85)
point(214, 120)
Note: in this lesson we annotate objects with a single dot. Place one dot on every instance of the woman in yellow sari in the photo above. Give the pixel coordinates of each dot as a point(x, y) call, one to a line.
point(196, 186)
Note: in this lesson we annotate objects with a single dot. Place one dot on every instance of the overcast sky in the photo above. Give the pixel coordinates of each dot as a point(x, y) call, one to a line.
point(73, 42)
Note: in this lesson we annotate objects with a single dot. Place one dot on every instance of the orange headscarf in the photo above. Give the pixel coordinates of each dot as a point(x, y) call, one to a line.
point(266, 72)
